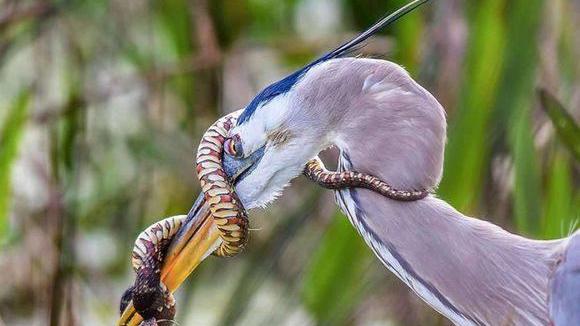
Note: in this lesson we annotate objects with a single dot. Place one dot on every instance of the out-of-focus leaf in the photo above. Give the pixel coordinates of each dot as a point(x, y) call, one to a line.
point(334, 278)
point(467, 152)
point(516, 92)
point(557, 214)
point(567, 54)
point(512, 115)
point(175, 22)
point(527, 198)
point(10, 137)
point(264, 259)
point(409, 33)
point(566, 128)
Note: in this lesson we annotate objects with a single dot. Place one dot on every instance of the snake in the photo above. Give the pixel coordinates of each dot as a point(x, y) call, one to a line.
point(316, 172)
point(151, 298)
point(226, 208)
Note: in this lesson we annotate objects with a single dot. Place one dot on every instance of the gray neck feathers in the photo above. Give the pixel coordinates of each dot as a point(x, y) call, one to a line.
point(471, 270)
point(387, 125)
point(390, 126)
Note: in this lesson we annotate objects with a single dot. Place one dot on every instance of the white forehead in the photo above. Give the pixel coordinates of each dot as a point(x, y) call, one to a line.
point(267, 117)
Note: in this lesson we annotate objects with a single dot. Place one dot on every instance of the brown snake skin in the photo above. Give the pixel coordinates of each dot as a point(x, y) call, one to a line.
point(229, 215)
point(149, 295)
point(316, 172)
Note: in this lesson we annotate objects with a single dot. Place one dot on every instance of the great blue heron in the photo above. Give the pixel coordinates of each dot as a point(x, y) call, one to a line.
point(387, 125)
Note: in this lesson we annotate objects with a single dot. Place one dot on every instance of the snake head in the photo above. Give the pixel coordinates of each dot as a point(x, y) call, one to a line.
point(126, 299)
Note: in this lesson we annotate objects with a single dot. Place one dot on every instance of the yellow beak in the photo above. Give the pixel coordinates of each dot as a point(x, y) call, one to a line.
point(198, 239)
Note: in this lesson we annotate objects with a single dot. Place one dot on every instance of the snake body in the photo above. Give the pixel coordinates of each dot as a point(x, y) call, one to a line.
point(229, 215)
point(150, 297)
point(317, 172)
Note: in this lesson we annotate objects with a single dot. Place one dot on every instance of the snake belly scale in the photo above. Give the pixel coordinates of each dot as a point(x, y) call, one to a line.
point(229, 215)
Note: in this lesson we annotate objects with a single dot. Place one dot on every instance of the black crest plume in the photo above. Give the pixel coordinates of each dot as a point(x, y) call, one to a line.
point(284, 85)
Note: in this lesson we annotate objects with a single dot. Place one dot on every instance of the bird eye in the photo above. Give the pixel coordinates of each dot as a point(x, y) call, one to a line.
point(233, 146)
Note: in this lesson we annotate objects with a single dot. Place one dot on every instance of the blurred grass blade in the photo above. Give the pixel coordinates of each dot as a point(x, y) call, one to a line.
point(558, 217)
point(174, 19)
point(527, 196)
point(512, 115)
point(566, 128)
point(332, 282)
point(467, 152)
point(10, 137)
point(264, 259)
point(409, 32)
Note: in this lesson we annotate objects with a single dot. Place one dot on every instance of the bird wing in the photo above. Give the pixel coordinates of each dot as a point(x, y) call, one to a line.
point(565, 285)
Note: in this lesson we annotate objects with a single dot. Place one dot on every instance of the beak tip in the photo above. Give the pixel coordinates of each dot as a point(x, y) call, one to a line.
point(192, 244)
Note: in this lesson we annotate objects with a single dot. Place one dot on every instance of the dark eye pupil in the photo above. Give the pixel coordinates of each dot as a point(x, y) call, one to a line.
point(238, 151)
point(231, 148)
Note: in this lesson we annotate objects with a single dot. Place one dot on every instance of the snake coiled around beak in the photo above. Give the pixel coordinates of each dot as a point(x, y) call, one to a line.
point(229, 215)
point(150, 297)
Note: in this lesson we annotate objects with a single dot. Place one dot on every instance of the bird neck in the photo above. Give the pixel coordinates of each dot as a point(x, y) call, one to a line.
point(470, 270)
point(390, 125)
point(387, 125)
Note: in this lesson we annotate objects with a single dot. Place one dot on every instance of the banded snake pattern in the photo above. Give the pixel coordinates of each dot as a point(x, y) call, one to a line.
point(317, 172)
point(149, 295)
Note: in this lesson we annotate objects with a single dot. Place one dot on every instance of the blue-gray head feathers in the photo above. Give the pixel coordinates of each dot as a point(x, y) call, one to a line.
point(282, 86)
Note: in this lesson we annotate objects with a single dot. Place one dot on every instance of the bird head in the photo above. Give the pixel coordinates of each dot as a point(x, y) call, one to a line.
point(269, 146)
point(277, 133)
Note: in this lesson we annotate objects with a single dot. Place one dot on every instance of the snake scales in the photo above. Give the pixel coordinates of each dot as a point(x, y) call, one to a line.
point(150, 297)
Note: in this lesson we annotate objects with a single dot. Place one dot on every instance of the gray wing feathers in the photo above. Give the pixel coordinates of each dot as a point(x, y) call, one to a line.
point(565, 286)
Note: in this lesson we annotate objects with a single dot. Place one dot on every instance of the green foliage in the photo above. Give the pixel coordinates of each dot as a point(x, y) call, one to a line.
point(566, 128)
point(409, 32)
point(560, 212)
point(527, 203)
point(264, 258)
point(513, 110)
point(558, 218)
point(174, 20)
point(173, 17)
point(334, 277)
point(467, 152)
point(10, 139)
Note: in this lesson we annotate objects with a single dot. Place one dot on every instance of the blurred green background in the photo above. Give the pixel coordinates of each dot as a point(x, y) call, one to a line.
point(102, 103)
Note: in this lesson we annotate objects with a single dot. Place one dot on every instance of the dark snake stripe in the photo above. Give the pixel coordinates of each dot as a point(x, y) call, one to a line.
point(155, 236)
